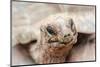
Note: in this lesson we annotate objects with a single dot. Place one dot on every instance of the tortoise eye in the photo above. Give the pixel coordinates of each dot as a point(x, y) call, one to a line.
point(51, 30)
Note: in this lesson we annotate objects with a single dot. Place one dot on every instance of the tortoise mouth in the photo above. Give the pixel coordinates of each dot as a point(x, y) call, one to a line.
point(60, 42)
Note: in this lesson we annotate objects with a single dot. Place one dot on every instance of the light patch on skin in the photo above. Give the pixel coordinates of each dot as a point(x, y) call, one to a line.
point(61, 22)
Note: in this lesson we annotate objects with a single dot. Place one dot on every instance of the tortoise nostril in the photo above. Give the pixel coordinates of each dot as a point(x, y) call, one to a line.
point(66, 35)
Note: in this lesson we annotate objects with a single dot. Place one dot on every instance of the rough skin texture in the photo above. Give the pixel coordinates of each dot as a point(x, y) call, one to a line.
point(55, 43)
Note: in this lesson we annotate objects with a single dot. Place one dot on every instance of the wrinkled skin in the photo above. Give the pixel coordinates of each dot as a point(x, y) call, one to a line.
point(56, 41)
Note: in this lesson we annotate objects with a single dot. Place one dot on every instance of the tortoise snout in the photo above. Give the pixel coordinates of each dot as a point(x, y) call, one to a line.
point(65, 38)
point(66, 35)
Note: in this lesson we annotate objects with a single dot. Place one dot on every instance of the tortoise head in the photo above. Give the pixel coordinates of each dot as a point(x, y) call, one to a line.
point(60, 32)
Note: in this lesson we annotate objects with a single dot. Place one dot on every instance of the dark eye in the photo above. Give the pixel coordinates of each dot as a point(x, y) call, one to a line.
point(50, 30)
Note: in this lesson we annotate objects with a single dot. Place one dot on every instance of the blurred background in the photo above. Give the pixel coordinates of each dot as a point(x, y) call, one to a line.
point(25, 13)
